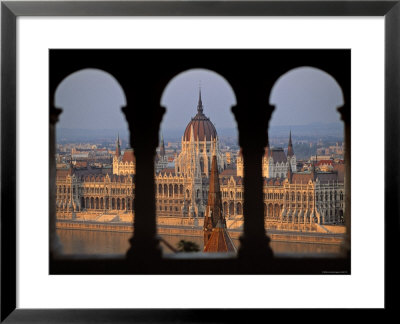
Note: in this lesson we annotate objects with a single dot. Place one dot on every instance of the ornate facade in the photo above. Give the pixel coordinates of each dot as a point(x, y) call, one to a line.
point(123, 164)
point(290, 197)
point(275, 163)
point(183, 191)
point(92, 190)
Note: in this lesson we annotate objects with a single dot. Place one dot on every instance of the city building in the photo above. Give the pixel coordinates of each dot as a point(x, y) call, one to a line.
point(183, 190)
point(315, 196)
point(275, 163)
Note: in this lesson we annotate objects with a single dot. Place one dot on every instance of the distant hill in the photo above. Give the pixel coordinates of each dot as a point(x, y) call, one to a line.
point(65, 135)
point(311, 130)
point(89, 135)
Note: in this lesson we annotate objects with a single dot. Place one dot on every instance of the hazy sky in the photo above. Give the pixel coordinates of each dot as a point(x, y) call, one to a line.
point(305, 95)
point(92, 99)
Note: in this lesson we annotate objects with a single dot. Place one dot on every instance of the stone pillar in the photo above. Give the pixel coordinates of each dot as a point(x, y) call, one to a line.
point(144, 116)
point(253, 140)
point(55, 245)
point(346, 117)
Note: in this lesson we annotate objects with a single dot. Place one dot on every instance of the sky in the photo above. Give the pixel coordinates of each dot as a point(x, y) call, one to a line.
point(92, 99)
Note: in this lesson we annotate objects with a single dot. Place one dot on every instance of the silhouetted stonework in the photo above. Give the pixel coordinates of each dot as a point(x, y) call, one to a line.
point(214, 214)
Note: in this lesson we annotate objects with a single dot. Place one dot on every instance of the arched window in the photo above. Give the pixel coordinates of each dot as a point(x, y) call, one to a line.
point(239, 208)
point(231, 208)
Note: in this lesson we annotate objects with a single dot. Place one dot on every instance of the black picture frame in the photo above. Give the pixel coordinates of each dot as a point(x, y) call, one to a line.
point(10, 10)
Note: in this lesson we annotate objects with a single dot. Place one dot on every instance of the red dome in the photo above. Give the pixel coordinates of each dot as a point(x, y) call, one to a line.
point(203, 128)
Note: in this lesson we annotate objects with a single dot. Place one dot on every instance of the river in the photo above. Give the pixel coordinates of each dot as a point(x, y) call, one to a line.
point(96, 242)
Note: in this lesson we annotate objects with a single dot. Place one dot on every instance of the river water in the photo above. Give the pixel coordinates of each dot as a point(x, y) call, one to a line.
point(96, 242)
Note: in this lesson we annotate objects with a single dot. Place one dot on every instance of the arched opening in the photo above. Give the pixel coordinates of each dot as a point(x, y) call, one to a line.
point(231, 209)
point(276, 211)
point(270, 211)
point(198, 124)
point(91, 138)
point(305, 135)
point(239, 209)
point(225, 208)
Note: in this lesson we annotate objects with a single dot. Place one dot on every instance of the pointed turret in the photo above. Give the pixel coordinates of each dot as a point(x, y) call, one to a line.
point(162, 147)
point(214, 204)
point(290, 173)
point(219, 240)
point(204, 129)
point(117, 148)
point(313, 172)
point(290, 151)
point(200, 103)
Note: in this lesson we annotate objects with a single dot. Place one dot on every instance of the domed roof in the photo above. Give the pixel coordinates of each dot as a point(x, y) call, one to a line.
point(203, 128)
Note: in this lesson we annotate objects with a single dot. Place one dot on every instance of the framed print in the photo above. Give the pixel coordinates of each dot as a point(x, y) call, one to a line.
point(170, 158)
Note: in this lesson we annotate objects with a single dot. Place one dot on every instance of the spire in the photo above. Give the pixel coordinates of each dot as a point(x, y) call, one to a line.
point(313, 171)
point(290, 151)
point(214, 204)
point(216, 236)
point(289, 173)
point(162, 147)
point(117, 147)
point(200, 103)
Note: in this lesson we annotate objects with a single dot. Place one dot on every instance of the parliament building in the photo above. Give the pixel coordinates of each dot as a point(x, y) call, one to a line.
point(290, 196)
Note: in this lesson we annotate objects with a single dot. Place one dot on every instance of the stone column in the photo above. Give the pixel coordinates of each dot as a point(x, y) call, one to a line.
point(345, 116)
point(144, 117)
point(252, 126)
point(55, 245)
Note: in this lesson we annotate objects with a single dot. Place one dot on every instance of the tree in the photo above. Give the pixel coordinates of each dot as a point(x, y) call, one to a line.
point(187, 246)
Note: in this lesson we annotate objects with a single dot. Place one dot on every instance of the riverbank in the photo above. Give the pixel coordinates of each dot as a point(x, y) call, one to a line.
point(193, 228)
